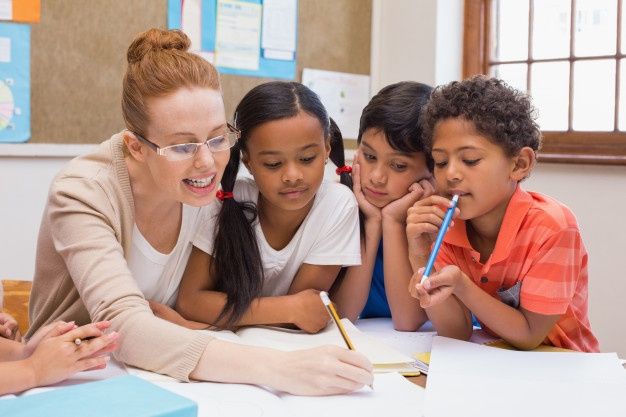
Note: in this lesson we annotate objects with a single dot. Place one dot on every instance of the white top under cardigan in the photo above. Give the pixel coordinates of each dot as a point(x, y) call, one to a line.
point(158, 274)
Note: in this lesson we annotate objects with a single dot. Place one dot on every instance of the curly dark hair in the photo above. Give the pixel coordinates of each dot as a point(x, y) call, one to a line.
point(498, 111)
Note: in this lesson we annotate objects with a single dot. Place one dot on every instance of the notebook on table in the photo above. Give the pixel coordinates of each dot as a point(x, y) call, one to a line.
point(383, 357)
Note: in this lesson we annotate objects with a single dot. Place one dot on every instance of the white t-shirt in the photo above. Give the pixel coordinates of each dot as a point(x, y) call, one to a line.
point(157, 274)
point(329, 235)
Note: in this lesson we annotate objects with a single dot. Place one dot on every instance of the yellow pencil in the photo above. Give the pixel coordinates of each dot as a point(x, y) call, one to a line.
point(333, 313)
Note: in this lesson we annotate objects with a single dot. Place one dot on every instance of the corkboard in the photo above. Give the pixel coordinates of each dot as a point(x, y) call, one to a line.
point(78, 59)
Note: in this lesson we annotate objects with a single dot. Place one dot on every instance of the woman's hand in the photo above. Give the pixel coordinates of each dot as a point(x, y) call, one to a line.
point(325, 370)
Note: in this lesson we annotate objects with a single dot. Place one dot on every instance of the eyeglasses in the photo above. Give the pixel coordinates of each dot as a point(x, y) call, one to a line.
point(184, 151)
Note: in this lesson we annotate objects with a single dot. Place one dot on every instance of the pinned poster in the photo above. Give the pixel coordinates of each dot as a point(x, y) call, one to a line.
point(243, 37)
point(14, 82)
point(28, 11)
point(344, 96)
point(238, 35)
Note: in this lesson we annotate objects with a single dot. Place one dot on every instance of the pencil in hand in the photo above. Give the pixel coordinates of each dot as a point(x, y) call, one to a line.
point(333, 313)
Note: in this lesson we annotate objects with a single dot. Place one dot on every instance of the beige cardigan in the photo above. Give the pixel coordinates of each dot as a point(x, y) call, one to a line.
point(81, 272)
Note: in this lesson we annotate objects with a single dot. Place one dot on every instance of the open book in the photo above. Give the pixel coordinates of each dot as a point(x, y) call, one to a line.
point(383, 357)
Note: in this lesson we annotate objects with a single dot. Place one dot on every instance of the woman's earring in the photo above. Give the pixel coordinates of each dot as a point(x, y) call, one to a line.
point(326, 161)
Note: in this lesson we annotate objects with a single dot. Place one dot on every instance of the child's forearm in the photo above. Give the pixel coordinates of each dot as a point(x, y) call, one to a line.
point(10, 350)
point(206, 306)
point(406, 313)
point(16, 376)
point(451, 319)
point(351, 294)
point(507, 322)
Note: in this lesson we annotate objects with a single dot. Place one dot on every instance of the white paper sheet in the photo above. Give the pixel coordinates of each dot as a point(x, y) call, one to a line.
point(191, 22)
point(344, 96)
point(6, 9)
point(393, 395)
point(229, 400)
point(5, 49)
point(279, 28)
point(408, 343)
point(515, 383)
point(238, 34)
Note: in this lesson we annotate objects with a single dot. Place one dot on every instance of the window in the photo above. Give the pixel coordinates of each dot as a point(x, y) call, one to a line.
point(569, 55)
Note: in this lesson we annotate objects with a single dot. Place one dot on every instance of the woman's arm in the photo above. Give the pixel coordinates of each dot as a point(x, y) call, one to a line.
point(325, 370)
point(82, 224)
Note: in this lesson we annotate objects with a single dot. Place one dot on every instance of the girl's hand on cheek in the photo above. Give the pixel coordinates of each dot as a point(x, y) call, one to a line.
point(397, 210)
point(370, 211)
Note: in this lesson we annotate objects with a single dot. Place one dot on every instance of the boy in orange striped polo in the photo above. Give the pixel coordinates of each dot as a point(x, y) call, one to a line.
point(514, 259)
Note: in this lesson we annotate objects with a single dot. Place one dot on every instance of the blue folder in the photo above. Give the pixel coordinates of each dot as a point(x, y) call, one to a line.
point(123, 396)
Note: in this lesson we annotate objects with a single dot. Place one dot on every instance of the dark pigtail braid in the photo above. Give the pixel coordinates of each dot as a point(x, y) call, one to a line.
point(237, 265)
point(337, 153)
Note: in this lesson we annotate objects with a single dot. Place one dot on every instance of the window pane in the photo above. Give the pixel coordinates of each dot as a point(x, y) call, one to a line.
point(622, 95)
point(550, 92)
point(596, 22)
point(510, 37)
point(623, 48)
point(513, 74)
point(594, 96)
point(551, 27)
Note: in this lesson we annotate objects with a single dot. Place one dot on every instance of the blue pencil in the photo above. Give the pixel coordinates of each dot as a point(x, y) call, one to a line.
point(444, 228)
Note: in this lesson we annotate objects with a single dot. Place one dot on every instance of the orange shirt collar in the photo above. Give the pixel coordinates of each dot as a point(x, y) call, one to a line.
point(516, 211)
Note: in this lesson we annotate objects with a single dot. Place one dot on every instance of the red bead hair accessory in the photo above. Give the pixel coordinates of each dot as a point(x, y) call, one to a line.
point(343, 169)
point(223, 195)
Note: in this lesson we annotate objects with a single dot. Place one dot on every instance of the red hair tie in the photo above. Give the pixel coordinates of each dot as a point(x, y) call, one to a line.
point(343, 169)
point(223, 195)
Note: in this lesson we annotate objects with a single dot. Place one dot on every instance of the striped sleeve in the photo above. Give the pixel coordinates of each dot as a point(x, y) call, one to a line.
point(550, 284)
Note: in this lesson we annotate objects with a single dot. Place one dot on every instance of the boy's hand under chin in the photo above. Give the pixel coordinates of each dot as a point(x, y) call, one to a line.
point(439, 286)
